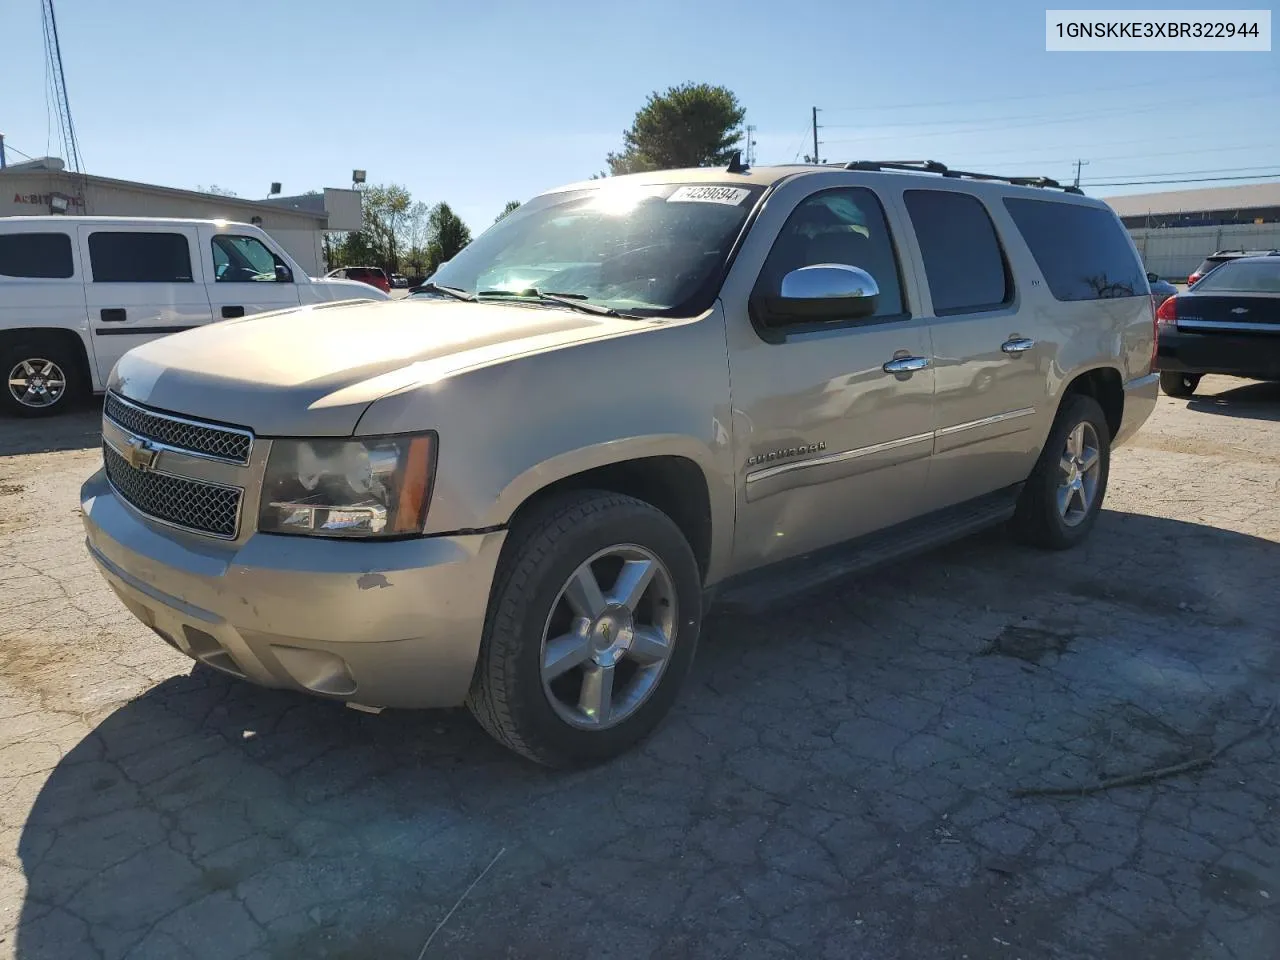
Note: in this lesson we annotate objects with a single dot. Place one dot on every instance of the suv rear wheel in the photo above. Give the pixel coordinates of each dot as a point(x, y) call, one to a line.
point(41, 379)
point(1063, 496)
point(1178, 384)
point(591, 629)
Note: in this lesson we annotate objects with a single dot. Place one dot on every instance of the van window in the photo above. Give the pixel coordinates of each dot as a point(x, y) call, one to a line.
point(36, 255)
point(244, 260)
point(1082, 251)
point(963, 262)
point(130, 257)
point(845, 226)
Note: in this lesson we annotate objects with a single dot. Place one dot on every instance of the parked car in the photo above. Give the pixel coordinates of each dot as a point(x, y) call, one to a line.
point(399, 281)
point(373, 276)
point(76, 293)
point(1161, 290)
point(1215, 260)
point(641, 393)
point(1229, 323)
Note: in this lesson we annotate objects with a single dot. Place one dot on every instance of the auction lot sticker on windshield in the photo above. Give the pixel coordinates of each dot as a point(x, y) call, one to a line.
point(710, 194)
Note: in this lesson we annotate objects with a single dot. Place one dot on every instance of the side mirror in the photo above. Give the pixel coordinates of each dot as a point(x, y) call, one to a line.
point(823, 292)
point(283, 274)
point(1153, 277)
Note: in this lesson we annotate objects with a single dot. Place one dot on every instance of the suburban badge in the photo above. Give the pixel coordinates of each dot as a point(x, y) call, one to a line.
point(787, 453)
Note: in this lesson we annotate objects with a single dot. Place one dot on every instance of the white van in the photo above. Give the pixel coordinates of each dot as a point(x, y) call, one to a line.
point(77, 293)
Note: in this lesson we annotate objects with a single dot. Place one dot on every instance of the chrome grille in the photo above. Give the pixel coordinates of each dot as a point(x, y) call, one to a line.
point(192, 504)
point(221, 443)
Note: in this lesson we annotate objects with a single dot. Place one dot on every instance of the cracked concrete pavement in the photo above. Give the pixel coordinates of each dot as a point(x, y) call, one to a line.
point(835, 781)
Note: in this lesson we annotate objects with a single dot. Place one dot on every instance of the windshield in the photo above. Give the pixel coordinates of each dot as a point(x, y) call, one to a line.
point(653, 249)
point(1248, 276)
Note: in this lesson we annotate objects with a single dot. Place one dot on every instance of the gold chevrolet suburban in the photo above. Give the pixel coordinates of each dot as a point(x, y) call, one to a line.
point(519, 488)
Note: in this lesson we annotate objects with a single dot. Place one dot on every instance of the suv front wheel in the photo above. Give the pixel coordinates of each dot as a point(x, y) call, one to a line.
point(1062, 498)
point(591, 629)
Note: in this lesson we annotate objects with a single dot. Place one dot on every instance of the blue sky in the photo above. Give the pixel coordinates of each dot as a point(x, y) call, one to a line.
point(480, 102)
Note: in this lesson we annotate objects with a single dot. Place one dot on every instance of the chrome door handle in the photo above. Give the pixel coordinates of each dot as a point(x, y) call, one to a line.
point(1017, 345)
point(906, 364)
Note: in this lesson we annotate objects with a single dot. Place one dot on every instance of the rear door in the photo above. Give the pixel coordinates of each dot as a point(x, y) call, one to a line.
point(988, 354)
point(244, 276)
point(144, 281)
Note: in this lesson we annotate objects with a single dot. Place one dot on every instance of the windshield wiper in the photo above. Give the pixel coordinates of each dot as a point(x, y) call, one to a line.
point(574, 301)
point(456, 292)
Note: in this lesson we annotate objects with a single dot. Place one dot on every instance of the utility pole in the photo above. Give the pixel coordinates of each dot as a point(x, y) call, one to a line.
point(815, 136)
point(1079, 164)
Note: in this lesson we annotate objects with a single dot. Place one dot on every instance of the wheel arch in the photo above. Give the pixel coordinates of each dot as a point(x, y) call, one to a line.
point(62, 337)
point(672, 477)
point(1105, 385)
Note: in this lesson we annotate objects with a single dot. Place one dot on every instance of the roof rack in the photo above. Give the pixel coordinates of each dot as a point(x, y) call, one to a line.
point(933, 166)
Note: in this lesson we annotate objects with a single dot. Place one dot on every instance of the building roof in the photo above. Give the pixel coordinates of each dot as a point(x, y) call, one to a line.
point(52, 166)
point(1244, 197)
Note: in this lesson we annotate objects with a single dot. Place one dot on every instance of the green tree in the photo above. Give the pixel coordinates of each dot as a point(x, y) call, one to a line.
point(384, 210)
point(511, 207)
point(446, 233)
point(692, 125)
point(216, 191)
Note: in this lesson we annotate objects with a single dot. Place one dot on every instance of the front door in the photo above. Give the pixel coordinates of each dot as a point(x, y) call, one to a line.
point(143, 282)
point(828, 444)
point(990, 352)
point(245, 277)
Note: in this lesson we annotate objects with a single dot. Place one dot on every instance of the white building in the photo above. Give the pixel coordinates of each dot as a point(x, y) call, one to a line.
point(41, 187)
point(1175, 230)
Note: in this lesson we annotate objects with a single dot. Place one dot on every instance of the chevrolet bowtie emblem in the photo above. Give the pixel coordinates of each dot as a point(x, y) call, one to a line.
point(1240, 310)
point(139, 454)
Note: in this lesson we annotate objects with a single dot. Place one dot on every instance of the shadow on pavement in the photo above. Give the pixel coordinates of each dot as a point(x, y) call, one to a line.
point(1253, 401)
point(843, 759)
point(80, 429)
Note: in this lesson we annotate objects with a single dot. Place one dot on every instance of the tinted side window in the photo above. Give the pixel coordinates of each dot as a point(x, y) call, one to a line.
point(963, 261)
point(244, 260)
point(139, 257)
point(42, 255)
point(1082, 251)
point(845, 226)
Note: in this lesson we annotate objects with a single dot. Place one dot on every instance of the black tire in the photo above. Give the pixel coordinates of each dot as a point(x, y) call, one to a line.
point(1038, 519)
point(39, 353)
point(1180, 385)
point(543, 551)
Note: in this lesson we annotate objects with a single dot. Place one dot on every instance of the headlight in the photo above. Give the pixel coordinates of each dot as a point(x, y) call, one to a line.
point(376, 487)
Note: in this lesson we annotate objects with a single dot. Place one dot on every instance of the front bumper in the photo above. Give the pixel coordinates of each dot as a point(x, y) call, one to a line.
point(1236, 354)
point(393, 624)
point(1140, 395)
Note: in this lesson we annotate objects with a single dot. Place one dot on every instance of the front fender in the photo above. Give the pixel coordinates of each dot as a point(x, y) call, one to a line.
point(509, 429)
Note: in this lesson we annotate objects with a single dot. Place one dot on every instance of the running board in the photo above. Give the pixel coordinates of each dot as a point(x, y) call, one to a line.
point(756, 590)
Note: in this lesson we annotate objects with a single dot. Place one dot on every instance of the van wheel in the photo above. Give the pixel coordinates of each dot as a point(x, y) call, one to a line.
point(41, 379)
point(1063, 496)
point(1179, 385)
point(591, 629)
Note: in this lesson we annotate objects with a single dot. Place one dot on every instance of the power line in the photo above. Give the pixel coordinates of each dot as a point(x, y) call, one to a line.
point(12, 149)
point(1002, 124)
point(1142, 183)
point(1269, 168)
point(1036, 96)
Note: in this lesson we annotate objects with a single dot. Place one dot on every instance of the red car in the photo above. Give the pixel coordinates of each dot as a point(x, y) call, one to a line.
point(374, 276)
point(1223, 256)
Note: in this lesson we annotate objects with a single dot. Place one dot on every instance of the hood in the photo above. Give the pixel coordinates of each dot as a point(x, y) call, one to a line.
point(313, 371)
point(335, 288)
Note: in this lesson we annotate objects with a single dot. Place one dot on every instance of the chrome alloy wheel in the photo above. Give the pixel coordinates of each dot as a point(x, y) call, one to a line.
point(1079, 472)
point(604, 650)
point(37, 383)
